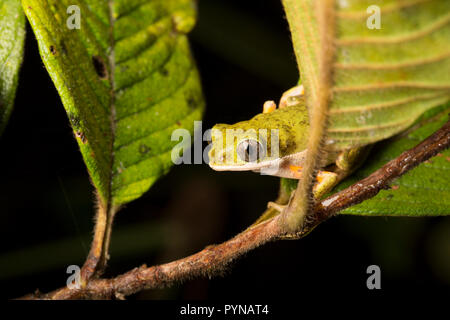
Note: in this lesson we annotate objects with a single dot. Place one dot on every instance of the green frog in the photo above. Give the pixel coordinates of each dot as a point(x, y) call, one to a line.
point(274, 142)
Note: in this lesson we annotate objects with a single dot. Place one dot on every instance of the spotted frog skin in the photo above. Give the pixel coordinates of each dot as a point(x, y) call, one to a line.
point(256, 134)
point(275, 143)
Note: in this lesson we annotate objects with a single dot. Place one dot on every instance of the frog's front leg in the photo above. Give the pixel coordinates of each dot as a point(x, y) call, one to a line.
point(290, 97)
point(269, 106)
point(346, 162)
point(325, 181)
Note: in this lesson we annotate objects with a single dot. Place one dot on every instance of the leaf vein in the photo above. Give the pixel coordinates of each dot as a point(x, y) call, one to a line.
point(167, 96)
point(396, 39)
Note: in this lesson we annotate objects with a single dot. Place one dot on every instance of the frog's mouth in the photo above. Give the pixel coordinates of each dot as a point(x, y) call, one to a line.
point(254, 166)
point(270, 167)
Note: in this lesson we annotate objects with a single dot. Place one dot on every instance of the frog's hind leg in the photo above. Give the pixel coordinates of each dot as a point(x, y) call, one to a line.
point(350, 160)
point(325, 181)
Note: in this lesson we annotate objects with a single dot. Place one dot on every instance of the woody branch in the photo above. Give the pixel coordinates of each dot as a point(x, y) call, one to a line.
point(212, 260)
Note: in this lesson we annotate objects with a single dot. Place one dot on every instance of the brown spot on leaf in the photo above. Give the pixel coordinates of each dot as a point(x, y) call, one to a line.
point(143, 149)
point(395, 187)
point(100, 67)
point(81, 136)
point(191, 99)
point(53, 50)
point(164, 72)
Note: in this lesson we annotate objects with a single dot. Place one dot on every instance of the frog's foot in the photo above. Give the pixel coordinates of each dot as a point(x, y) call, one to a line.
point(325, 180)
point(292, 96)
point(279, 207)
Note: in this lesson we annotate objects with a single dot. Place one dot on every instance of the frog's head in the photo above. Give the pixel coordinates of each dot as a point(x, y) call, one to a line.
point(260, 142)
point(241, 147)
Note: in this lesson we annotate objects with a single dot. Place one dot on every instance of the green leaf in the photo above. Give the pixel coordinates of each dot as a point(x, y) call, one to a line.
point(12, 31)
point(370, 69)
point(423, 191)
point(383, 79)
point(386, 78)
point(127, 80)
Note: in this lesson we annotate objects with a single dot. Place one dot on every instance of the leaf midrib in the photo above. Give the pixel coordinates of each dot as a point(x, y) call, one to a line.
point(112, 66)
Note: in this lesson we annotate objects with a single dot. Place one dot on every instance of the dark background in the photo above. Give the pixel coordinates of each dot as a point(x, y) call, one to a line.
point(245, 57)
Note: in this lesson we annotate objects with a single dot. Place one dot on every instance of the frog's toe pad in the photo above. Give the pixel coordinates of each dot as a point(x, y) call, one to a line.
point(273, 205)
point(269, 106)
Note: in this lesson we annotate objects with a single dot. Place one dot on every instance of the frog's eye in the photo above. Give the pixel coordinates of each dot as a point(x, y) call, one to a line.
point(250, 150)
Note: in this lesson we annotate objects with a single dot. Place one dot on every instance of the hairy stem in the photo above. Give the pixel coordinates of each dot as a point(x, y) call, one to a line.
point(98, 254)
point(318, 101)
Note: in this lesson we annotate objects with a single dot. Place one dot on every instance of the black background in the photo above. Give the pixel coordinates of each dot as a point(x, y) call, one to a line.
point(244, 55)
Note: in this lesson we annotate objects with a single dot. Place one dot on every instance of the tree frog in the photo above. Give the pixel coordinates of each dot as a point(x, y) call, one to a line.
point(274, 142)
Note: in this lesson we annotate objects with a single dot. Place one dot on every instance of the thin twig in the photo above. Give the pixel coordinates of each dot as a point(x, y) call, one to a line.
point(213, 259)
point(98, 254)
